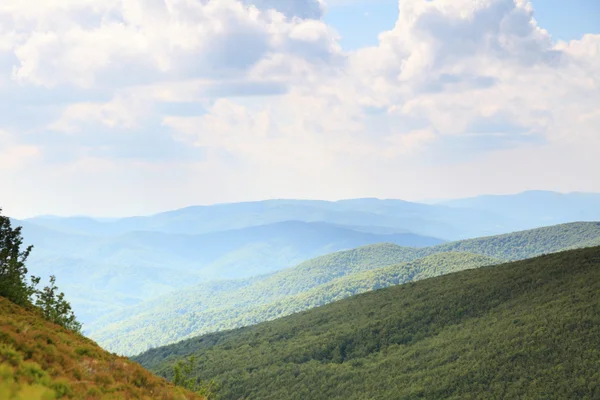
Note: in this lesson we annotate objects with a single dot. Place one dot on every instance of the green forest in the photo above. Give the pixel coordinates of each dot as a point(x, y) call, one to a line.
point(230, 304)
point(527, 329)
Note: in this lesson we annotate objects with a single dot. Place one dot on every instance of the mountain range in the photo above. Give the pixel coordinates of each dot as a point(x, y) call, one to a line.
point(229, 304)
point(107, 264)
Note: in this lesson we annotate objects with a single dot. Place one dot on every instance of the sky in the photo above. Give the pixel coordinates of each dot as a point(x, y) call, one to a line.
point(131, 107)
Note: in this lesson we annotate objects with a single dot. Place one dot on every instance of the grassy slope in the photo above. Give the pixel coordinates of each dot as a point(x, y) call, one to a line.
point(203, 309)
point(528, 329)
point(40, 360)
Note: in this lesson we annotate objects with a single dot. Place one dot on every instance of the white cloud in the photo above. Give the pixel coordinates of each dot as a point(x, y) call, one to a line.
point(460, 97)
point(135, 41)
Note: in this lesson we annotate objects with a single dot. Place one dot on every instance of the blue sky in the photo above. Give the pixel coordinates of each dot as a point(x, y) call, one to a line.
point(360, 22)
point(132, 107)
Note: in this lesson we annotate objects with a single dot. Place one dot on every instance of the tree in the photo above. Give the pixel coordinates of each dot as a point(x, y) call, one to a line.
point(15, 286)
point(55, 308)
point(13, 272)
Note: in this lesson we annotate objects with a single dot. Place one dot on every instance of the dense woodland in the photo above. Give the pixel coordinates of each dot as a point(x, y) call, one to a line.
point(528, 329)
point(230, 304)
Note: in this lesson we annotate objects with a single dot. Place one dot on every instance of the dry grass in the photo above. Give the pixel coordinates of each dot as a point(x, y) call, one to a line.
point(41, 360)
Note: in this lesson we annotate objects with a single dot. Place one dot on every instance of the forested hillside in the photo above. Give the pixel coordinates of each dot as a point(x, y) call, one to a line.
point(40, 360)
point(527, 329)
point(530, 243)
point(201, 310)
point(223, 305)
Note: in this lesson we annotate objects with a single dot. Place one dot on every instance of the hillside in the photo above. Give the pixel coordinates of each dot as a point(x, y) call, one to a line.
point(229, 304)
point(101, 274)
point(527, 329)
point(216, 306)
point(530, 243)
point(40, 360)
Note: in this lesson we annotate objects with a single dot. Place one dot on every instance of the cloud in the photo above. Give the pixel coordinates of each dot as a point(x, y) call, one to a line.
point(307, 9)
point(257, 100)
point(135, 41)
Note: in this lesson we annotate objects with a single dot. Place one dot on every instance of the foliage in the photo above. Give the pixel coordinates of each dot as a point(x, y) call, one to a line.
point(528, 329)
point(13, 272)
point(230, 304)
point(183, 372)
point(15, 287)
point(41, 361)
point(526, 244)
point(55, 308)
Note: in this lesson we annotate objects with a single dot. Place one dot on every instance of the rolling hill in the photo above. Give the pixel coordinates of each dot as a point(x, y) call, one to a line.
point(208, 308)
point(40, 360)
point(101, 274)
point(527, 329)
point(217, 306)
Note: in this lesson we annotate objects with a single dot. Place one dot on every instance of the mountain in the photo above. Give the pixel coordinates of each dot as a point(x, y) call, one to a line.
point(393, 215)
point(536, 206)
point(527, 329)
point(41, 360)
point(224, 305)
point(448, 220)
point(101, 274)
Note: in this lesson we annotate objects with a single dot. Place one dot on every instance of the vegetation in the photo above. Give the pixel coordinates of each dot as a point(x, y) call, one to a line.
point(231, 304)
point(183, 372)
point(217, 307)
point(40, 360)
point(16, 287)
point(530, 243)
point(528, 329)
point(13, 272)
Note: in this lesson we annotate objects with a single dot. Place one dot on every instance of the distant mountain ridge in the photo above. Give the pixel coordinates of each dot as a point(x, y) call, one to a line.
point(545, 207)
point(445, 222)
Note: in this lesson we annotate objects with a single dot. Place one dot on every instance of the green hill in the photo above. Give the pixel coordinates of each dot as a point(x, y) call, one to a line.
point(530, 243)
point(40, 361)
point(212, 307)
point(527, 329)
point(230, 304)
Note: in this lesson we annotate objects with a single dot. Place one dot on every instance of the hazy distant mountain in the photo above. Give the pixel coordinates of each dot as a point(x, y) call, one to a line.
point(101, 273)
point(449, 220)
point(537, 207)
point(366, 214)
